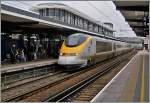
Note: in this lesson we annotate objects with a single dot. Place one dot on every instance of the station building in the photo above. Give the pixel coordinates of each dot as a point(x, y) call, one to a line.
point(71, 16)
point(49, 39)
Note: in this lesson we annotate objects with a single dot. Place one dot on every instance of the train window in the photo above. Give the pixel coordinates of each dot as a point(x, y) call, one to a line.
point(75, 40)
point(103, 46)
point(118, 46)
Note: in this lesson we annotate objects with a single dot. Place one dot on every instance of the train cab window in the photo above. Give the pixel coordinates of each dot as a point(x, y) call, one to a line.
point(75, 40)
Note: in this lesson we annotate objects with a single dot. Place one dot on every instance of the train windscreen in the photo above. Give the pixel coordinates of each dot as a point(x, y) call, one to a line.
point(75, 40)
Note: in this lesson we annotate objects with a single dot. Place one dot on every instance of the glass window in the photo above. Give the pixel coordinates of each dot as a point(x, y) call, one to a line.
point(47, 12)
point(85, 24)
point(81, 22)
point(103, 46)
point(100, 29)
point(111, 33)
point(69, 18)
point(66, 16)
point(103, 31)
point(41, 12)
point(57, 14)
point(75, 40)
point(76, 20)
point(44, 12)
point(72, 18)
point(51, 13)
point(90, 26)
point(62, 15)
point(95, 28)
point(118, 45)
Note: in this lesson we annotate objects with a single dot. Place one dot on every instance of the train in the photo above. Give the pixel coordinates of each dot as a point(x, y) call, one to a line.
point(80, 50)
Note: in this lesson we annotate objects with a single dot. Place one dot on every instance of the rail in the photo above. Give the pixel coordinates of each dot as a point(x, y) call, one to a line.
point(69, 91)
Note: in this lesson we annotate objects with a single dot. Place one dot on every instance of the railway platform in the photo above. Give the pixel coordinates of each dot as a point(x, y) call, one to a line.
point(27, 65)
point(131, 84)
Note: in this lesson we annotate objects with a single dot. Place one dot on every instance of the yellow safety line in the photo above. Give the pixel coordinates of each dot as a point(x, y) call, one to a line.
point(142, 85)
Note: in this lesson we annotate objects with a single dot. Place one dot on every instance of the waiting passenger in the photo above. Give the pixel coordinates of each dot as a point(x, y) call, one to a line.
point(13, 53)
point(17, 55)
point(32, 50)
point(22, 56)
point(40, 51)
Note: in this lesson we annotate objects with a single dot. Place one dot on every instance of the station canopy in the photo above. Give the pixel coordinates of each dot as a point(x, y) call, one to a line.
point(136, 13)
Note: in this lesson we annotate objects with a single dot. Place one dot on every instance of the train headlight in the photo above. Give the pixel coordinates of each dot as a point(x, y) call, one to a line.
point(76, 54)
point(61, 54)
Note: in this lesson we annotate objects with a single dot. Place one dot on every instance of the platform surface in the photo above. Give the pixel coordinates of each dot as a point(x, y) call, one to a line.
point(131, 84)
point(27, 65)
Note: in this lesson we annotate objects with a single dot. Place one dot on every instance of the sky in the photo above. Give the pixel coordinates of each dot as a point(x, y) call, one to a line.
point(103, 11)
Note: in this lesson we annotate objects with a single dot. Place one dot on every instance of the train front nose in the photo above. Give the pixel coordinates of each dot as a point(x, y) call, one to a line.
point(70, 60)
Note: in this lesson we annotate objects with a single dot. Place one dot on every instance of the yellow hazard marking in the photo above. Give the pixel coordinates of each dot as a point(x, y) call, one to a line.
point(142, 85)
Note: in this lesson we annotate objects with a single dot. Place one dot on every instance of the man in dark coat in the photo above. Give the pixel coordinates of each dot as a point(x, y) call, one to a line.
point(13, 53)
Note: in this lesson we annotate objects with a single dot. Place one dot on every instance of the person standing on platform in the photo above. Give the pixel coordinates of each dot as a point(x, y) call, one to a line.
point(25, 51)
point(13, 53)
point(22, 56)
point(40, 51)
point(32, 50)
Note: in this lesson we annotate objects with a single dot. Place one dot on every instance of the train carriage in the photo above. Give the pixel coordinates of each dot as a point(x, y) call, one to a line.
point(82, 49)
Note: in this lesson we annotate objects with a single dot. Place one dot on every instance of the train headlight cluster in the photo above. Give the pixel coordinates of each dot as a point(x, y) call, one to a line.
point(69, 54)
point(76, 54)
point(61, 54)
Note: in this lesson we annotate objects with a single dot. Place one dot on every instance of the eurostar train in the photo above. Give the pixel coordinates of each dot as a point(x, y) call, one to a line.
point(82, 49)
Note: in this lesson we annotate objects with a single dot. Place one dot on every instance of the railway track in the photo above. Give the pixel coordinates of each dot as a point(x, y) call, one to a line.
point(20, 89)
point(64, 84)
point(93, 84)
point(89, 91)
point(60, 90)
point(27, 86)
